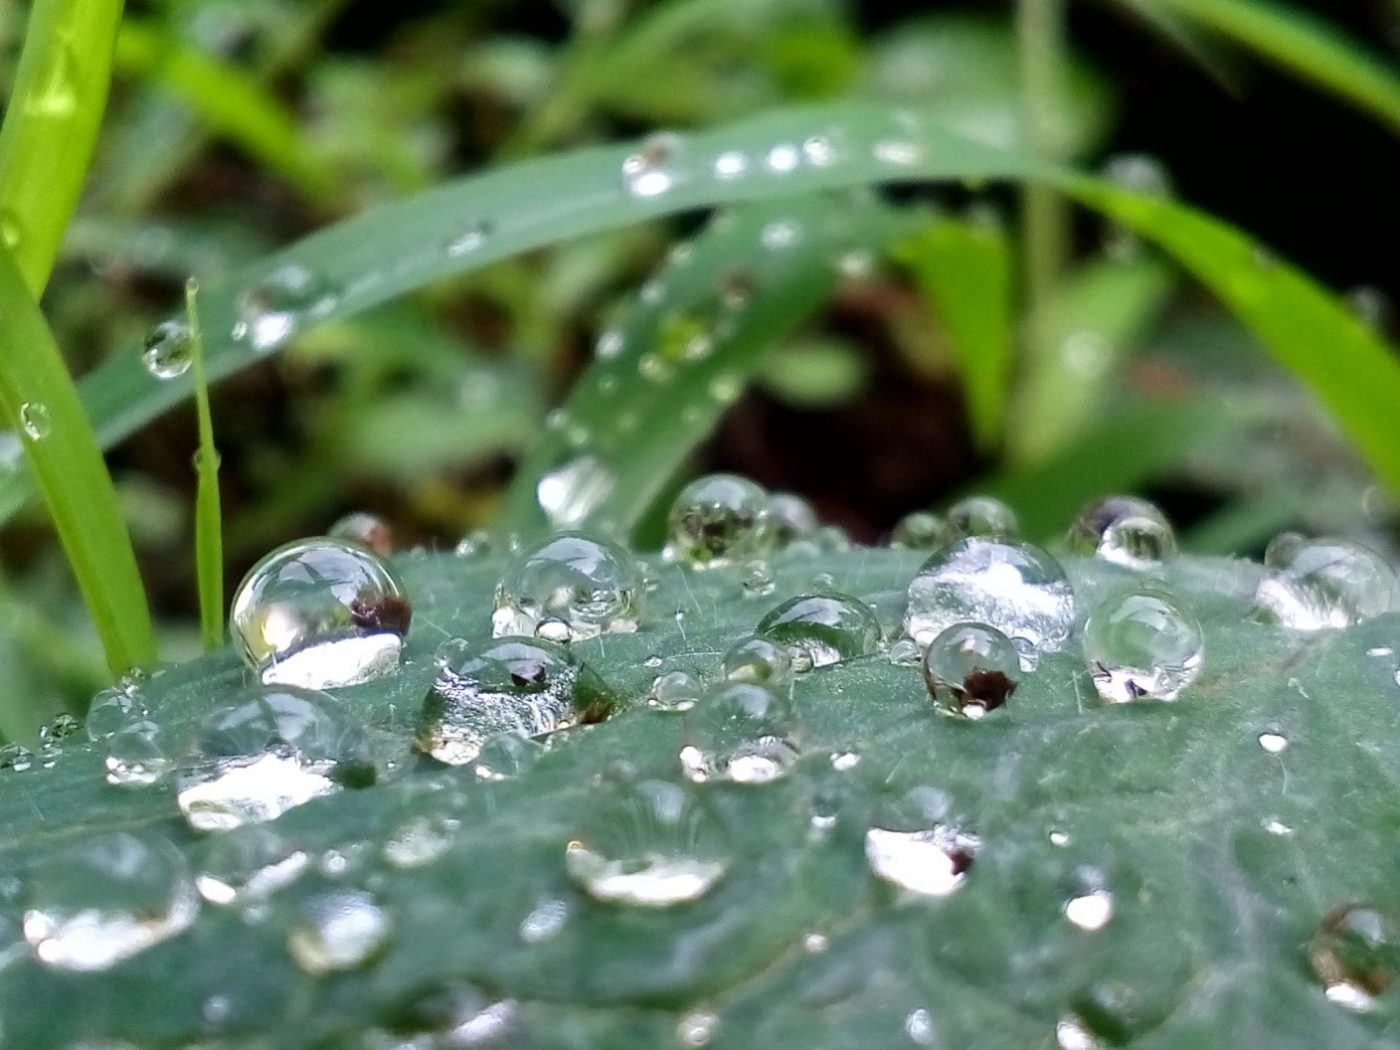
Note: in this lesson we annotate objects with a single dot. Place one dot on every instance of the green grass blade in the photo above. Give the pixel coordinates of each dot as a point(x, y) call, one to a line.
point(51, 125)
point(231, 104)
point(208, 517)
point(964, 270)
point(1302, 43)
point(38, 398)
point(682, 355)
point(1073, 348)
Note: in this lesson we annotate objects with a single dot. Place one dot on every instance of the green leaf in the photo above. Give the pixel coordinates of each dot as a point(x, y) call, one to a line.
point(964, 270)
point(1299, 41)
point(1221, 857)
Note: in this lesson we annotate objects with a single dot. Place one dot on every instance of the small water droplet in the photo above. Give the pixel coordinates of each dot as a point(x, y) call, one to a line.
point(169, 350)
point(105, 899)
point(718, 520)
point(1356, 954)
point(981, 516)
point(780, 234)
point(545, 921)
point(1071, 1035)
point(506, 755)
point(34, 418)
point(919, 531)
point(593, 586)
point(247, 865)
point(918, 1026)
point(138, 755)
point(730, 165)
point(271, 310)
point(420, 840)
point(1277, 827)
point(273, 749)
point(470, 240)
point(521, 685)
point(368, 530)
point(757, 660)
point(910, 845)
point(475, 544)
point(1123, 530)
point(1273, 743)
point(971, 669)
point(758, 580)
point(1142, 645)
point(791, 518)
point(815, 943)
point(320, 613)
point(15, 757)
point(1312, 585)
point(653, 844)
point(651, 171)
point(818, 151)
point(674, 691)
point(1059, 839)
point(339, 930)
point(822, 629)
point(1015, 587)
point(897, 153)
point(697, 1028)
point(1090, 911)
point(904, 652)
point(740, 732)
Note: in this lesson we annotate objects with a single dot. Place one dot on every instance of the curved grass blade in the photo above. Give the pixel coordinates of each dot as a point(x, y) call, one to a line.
point(50, 127)
point(682, 356)
point(467, 224)
point(1302, 43)
point(964, 270)
point(40, 400)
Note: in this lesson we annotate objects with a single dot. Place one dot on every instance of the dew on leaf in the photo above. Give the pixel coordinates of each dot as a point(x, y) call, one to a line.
point(730, 165)
point(911, 844)
point(697, 1028)
point(111, 710)
point(919, 1027)
point(818, 630)
point(918, 531)
point(169, 350)
point(34, 417)
point(1356, 954)
point(1311, 585)
point(420, 839)
point(740, 732)
point(339, 930)
point(521, 685)
point(757, 580)
point(320, 613)
point(15, 757)
point(790, 517)
point(718, 520)
point(138, 755)
point(1090, 911)
point(757, 660)
point(274, 748)
point(981, 516)
point(544, 921)
point(1123, 530)
point(1273, 743)
point(271, 311)
point(247, 865)
point(470, 240)
point(651, 171)
point(971, 669)
point(674, 691)
point(654, 844)
point(593, 586)
point(105, 899)
point(506, 755)
point(368, 530)
point(1142, 645)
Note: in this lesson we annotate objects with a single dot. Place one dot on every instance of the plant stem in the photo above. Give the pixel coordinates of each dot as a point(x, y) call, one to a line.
point(208, 520)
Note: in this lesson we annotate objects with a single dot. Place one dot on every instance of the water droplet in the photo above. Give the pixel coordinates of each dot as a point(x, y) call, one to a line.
point(1090, 911)
point(910, 845)
point(1312, 585)
point(718, 520)
point(918, 1026)
point(453, 1015)
point(1015, 587)
point(593, 586)
point(420, 840)
point(1277, 827)
point(339, 930)
point(783, 157)
point(1142, 645)
point(818, 151)
point(904, 652)
point(169, 350)
point(790, 518)
point(247, 865)
point(919, 531)
point(545, 920)
point(470, 240)
point(758, 580)
point(1059, 839)
point(105, 899)
point(368, 530)
point(971, 669)
point(272, 750)
point(1140, 172)
point(740, 732)
point(271, 311)
point(780, 234)
point(320, 613)
point(981, 516)
point(757, 660)
point(822, 629)
point(1273, 743)
point(1070, 1034)
point(475, 544)
point(651, 171)
point(34, 418)
point(1124, 530)
point(1356, 954)
point(697, 1028)
point(897, 153)
point(610, 343)
point(138, 755)
point(15, 757)
point(654, 844)
point(520, 685)
point(730, 165)
point(506, 755)
point(815, 943)
point(673, 691)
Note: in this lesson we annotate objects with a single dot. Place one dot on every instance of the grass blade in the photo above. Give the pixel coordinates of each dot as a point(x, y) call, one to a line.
point(681, 357)
point(39, 399)
point(1302, 43)
point(51, 126)
point(208, 518)
point(964, 270)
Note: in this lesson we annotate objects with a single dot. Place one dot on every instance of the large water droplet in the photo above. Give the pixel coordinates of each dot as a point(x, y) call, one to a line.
point(822, 629)
point(35, 419)
point(790, 518)
point(277, 748)
point(1124, 530)
point(521, 685)
point(247, 865)
point(320, 613)
point(981, 516)
point(653, 845)
point(1142, 645)
point(651, 171)
point(919, 531)
point(271, 311)
point(339, 930)
point(971, 669)
point(1015, 587)
point(910, 844)
point(368, 530)
point(740, 732)
point(1356, 954)
point(718, 520)
point(674, 691)
point(169, 350)
point(593, 586)
point(757, 660)
point(1311, 585)
point(111, 710)
point(138, 755)
point(105, 899)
